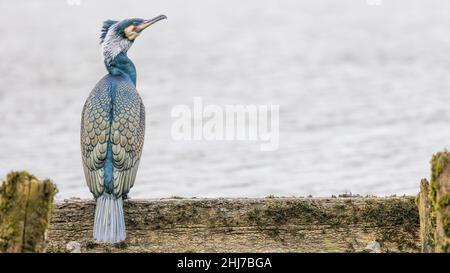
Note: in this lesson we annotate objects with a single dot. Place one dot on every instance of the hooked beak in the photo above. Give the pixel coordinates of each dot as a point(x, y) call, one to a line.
point(150, 22)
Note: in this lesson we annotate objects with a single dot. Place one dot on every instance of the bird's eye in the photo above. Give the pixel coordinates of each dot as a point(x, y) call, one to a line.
point(134, 28)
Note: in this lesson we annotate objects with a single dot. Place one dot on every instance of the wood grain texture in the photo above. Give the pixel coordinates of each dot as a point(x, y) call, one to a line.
point(439, 198)
point(426, 224)
point(25, 210)
point(245, 225)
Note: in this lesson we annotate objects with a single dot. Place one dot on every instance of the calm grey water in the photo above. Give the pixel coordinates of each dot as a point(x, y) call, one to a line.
point(363, 90)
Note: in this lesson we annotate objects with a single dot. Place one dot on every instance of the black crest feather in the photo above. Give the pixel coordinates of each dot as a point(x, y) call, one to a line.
point(106, 25)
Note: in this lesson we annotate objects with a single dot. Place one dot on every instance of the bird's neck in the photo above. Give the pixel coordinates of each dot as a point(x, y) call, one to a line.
point(121, 65)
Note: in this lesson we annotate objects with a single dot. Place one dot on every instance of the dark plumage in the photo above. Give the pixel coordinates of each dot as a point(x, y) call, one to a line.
point(112, 129)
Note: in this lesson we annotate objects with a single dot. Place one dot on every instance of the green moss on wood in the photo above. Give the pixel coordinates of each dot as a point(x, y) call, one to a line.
point(399, 214)
point(440, 200)
point(443, 201)
point(427, 227)
point(25, 208)
point(446, 224)
point(438, 162)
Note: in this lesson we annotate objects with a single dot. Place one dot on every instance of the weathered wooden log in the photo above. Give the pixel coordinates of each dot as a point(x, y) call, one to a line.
point(353, 224)
point(426, 226)
point(25, 209)
point(439, 195)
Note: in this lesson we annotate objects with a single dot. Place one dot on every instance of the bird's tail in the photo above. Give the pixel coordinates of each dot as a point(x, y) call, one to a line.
point(109, 223)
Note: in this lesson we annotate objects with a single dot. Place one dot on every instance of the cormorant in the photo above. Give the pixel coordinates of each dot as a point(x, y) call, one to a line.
point(112, 129)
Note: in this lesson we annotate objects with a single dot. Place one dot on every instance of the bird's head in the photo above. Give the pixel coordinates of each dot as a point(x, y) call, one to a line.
point(118, 36)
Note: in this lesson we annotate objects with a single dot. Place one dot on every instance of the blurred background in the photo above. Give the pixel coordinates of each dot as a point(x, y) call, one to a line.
point(363, 88)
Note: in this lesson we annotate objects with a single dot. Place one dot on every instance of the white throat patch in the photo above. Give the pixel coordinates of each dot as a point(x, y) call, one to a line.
point(114, 43)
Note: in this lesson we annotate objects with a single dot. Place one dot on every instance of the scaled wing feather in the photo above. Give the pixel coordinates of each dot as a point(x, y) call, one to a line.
point(95, 125)
point(127, 136)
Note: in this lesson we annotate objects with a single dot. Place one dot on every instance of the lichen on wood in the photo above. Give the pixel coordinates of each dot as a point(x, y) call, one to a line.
point(25, 209)
point(272, 224)
point(379, 214)
point(427, 226)
point(439, 198)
